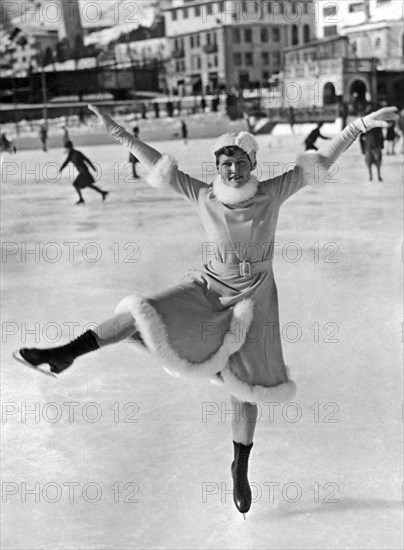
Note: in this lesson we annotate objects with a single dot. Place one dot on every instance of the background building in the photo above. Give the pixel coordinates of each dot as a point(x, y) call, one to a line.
point(232, 43)
point(333, 15)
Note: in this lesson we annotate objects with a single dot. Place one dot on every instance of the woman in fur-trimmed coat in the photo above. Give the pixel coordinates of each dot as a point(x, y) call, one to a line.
point(222, 322)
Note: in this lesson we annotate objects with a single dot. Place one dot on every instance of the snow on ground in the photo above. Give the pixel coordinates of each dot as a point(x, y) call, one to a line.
point(124, 456)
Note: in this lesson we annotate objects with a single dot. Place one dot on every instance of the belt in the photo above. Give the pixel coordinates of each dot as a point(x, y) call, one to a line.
point(245, 269)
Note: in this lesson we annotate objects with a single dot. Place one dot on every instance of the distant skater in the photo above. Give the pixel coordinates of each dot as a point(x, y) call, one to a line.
point(372, 144)
point(85, 178)
point(6, 146)
point(291, 119)
point(392, 137)
point(184, 132)
point(310, 141)
point(134, 161)
point(43, 136)
point(66, 137)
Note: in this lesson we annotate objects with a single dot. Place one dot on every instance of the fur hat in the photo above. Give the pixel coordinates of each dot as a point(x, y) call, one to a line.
point(245, 141)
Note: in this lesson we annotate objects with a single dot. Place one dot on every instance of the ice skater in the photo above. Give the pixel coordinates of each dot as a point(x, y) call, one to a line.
point(84, 178)
point(392, 136)
point(207, 326)
point(43, 136)
point(133, 160)
point(184, 131)
point(310, 141)
point(6, 146)
point(372, 143)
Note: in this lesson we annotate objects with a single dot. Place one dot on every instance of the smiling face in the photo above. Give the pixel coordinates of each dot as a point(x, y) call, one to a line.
point(234, 170)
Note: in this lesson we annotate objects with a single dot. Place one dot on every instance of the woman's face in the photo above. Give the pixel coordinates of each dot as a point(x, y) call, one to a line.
point(235, 170)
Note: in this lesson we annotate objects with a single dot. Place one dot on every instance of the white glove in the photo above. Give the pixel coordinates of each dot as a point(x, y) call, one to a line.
point(103, 116)
point(378, 119)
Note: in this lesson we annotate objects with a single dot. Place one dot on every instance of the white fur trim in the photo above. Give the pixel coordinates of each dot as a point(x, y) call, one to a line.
point(154, 335)
point(314, 168)
point(234, 195)
point(257, 394)
point(162, 172)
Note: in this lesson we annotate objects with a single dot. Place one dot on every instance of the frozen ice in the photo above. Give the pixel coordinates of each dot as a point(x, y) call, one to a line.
point(133, 458)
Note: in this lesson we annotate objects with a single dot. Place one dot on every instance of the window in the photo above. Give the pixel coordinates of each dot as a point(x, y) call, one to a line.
point(250, 9)
point(265, 75)
point(306, 33)
point(174, 15)
point(264, 34)
point(237, 58)
point(265, 58)
point(198, 41)
point(329, 10)
point(191, 41)
point(359, 6)
point(295, 38)
point(378, 43)
point(185, 13)
point(305, 8)
point(276, 58)
point(248, 58)
point(209, 9)
point(215, 61)
point(331, 30)
point(236, 36)
point(197, 11)
point(247, 35)
point(275, 34)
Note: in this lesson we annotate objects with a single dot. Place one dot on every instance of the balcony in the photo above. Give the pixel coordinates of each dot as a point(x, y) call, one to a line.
point(178, 54)
point(210, 48)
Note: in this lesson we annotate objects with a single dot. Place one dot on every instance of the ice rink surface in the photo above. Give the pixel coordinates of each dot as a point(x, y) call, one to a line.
point(119, 455)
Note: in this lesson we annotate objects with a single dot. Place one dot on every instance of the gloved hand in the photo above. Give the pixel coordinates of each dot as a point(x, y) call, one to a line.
point(378, 119)
point(103, 116)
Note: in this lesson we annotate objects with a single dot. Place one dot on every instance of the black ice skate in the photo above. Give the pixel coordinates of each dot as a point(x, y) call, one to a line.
point(239, 470)
point(60, 358)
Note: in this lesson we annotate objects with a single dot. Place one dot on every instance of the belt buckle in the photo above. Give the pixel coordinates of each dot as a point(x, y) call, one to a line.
point(245, 269)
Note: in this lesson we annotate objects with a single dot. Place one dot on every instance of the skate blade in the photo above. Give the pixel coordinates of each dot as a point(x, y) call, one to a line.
point(18, 358)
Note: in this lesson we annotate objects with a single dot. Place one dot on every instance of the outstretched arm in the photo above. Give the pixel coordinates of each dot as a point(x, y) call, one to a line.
point(323, 137)
point(88, 161)
point(146, 154)
point(66, 162)
point(329, 152)
point(312, 167)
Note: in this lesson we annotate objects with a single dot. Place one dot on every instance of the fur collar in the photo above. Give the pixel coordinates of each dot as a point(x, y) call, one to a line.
point(232, 196)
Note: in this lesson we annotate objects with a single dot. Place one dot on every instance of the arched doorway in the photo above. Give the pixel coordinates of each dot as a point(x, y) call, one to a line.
point(329, 95)
point(357, 96)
